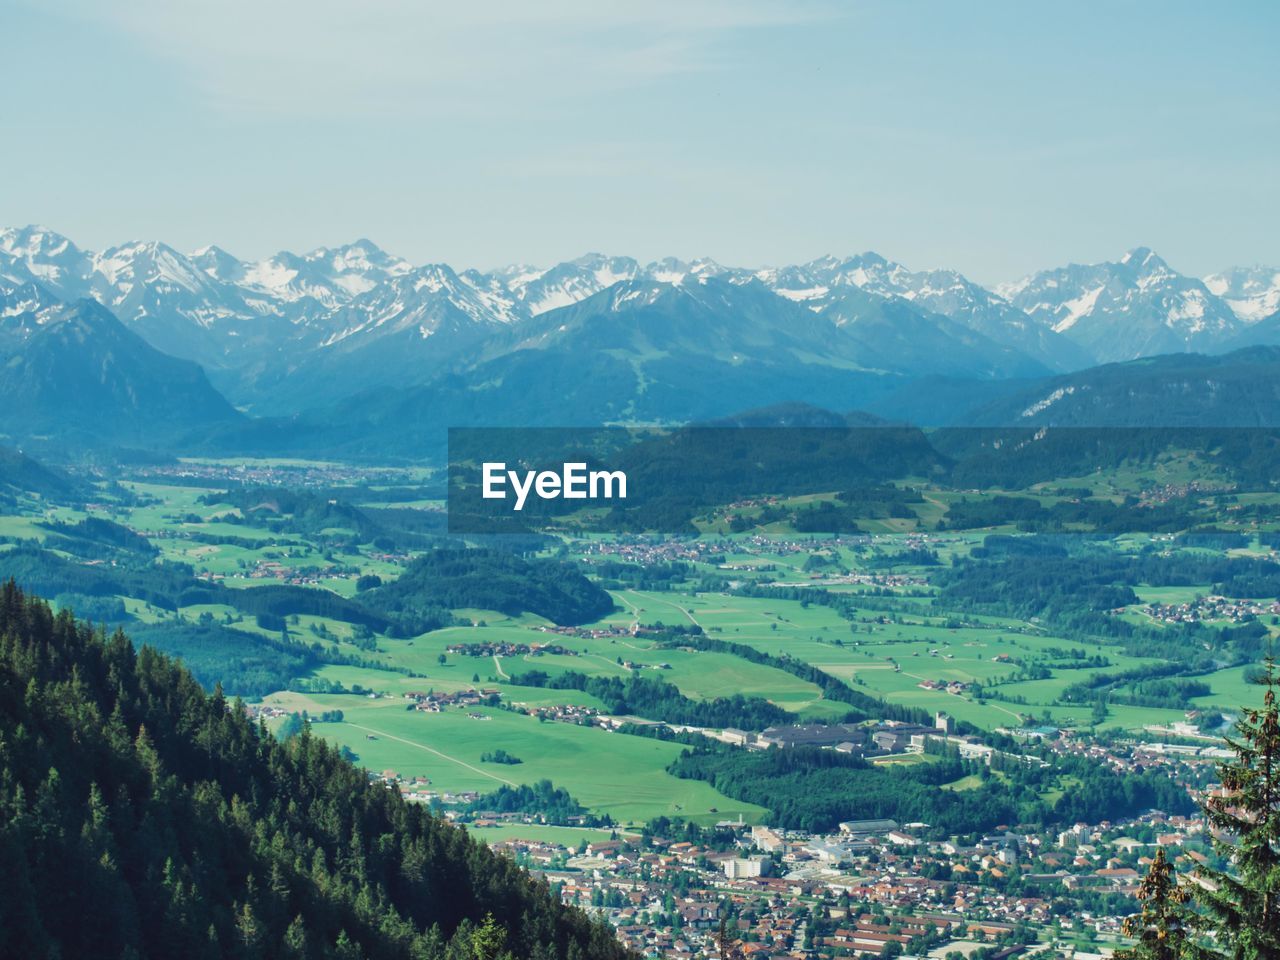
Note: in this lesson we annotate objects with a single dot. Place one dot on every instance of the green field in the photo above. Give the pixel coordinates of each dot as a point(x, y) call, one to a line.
point(1231, 690)
point(570, 837)
point(623, 776)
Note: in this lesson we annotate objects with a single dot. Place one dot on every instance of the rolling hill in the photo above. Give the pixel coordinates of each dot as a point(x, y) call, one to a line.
point(77, 374)
point(1239, 389)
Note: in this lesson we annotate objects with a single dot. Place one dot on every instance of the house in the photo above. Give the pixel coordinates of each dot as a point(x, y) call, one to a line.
point(868, 828)
point(812, 735)
point(766, 839)
point(738, 868)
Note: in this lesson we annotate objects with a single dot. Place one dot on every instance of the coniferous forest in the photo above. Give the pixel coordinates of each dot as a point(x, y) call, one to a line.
point(141, 817)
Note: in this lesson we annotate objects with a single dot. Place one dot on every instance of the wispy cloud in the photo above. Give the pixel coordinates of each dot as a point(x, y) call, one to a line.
point(338, 59)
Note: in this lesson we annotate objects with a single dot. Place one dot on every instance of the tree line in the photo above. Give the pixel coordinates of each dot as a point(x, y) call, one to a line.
point(655, 699)
point(814, 790)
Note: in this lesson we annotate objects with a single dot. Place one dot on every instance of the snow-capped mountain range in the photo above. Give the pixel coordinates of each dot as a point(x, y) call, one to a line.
point(275, 333)
point(1138, 306)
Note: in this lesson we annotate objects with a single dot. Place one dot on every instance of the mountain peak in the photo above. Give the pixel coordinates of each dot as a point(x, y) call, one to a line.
point(362, 257)
point(1120, 310)
point(359, 245)
point(218, 263)
point(33, 238)
point(869, 258)
point(592, 260)
point(569, 282)
point(675, 270)
point(211, 250)
point(1144, 258)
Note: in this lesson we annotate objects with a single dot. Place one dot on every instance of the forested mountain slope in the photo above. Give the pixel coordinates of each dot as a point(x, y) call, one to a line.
point(140, 817)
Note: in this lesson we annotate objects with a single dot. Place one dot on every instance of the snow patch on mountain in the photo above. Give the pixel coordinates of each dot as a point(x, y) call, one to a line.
point(1042, 405)
point(1253, 293)
point(1079, 307)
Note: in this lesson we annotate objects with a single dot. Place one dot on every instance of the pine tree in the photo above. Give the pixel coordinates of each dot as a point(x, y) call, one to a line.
point(727, 948)
point(488, 941)
point(346, 948)
point(1242, 903)
point(294, 946)
point(1163, 924)
point(249, 931)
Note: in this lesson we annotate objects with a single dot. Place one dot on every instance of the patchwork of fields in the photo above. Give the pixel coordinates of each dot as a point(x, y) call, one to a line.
point(892, 641)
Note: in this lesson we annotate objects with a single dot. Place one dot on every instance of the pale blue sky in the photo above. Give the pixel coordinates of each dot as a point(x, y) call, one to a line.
point(995, 137)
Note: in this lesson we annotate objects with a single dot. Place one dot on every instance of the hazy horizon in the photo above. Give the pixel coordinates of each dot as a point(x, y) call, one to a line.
point(643, 261)
point(996, 141)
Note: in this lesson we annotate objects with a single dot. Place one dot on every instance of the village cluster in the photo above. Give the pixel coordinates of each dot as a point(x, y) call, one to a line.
point(652, 550)
point(1213, 608)
point(266, 473)
point(875, 889)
